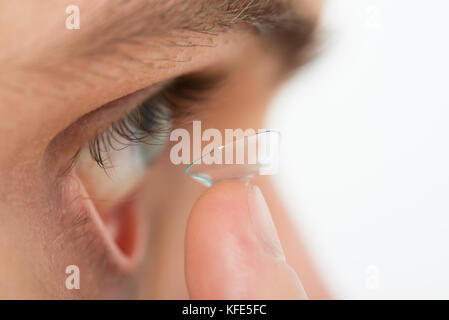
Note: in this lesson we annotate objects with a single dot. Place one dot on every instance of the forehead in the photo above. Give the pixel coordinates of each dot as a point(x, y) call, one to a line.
point(123, 46)
point(40, 24)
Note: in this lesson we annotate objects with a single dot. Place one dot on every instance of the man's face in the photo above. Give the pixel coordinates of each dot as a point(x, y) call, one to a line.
point(71, 100)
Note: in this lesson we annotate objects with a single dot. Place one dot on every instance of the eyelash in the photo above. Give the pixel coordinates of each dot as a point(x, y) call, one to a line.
point(148, 121)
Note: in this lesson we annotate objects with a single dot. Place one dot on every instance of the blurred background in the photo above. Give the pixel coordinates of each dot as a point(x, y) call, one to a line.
point(365, 153)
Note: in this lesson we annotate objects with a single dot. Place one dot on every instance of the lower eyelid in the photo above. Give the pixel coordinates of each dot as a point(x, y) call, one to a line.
point(106, 186)
point(82, 229)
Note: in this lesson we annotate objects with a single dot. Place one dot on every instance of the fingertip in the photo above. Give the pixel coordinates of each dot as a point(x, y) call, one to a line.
point(216, 234)
point(232, 250)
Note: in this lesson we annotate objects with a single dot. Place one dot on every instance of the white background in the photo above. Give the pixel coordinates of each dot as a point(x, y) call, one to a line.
point(365, 152)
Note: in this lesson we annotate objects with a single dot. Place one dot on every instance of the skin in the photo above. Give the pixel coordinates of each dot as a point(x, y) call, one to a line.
point(44, 92)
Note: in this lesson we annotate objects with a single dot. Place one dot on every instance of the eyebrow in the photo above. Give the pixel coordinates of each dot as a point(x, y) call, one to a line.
point(184, 22)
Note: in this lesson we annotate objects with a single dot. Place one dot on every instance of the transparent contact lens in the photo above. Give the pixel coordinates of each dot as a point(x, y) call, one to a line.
point(242, 159)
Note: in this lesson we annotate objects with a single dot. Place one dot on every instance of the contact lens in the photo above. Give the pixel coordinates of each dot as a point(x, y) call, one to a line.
point(241, 159)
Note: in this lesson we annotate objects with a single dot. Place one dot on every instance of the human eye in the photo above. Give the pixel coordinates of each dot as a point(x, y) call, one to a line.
point(114, 157)
point(115, 160)
point(113, 163)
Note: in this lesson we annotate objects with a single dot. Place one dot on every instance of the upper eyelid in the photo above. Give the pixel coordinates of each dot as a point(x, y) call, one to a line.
point(174, 98)
point(62, 149)
point(180, 91)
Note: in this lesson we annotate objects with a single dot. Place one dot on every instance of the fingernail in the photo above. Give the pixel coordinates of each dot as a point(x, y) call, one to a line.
point(263, 223)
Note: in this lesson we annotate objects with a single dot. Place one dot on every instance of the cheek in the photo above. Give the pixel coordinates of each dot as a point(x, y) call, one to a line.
point(31, 260)
point(37, 243)
point(23, 235)
point(17, 255)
